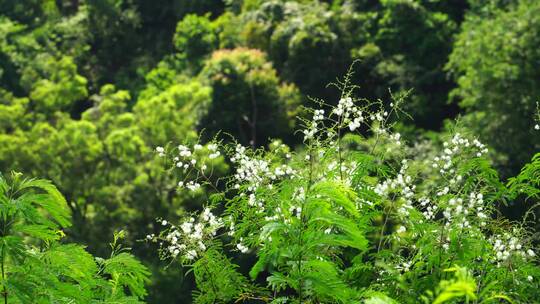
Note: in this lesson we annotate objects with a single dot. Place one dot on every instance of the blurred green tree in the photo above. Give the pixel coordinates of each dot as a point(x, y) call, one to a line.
point(495, 63)
point(248, 99)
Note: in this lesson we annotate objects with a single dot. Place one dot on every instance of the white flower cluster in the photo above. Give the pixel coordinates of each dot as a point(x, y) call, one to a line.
point(241, 247)
point(254, 202)
point(188, 239)
point(344, 107)
point(184, 151)
point(401, 184)
point(396, 137)
point(379, 116)
point(506, 246)
point(186, 160)
point(348, 115)
point(444, 191)
point(254, 172)
point(457, 210)
point(191, 185)
point(160, 151)
point(318, 115)
point(404, 266)
point(251, 171)
point(299, 194)
point(295, 208)
point(313, 127)
point(213, 148)
point(352, 115)
point(457, 145)
point(278, 213)
point(431, 209)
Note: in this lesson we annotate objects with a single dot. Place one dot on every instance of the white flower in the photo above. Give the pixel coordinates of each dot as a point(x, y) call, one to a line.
point(530, 252)
point(164, 223)
point(186, 227)
point(252, 200)
point(214, 155)
point(193, 186)
point(202, 246)
point(191, 254)
point(353, 125)
point(530, 278)
point(404, 267)
point(160, 151)
point(184, 151)
point(242, 248)
point(318, 115)
point(401, 229)
point(396, 137)
point(537, 127)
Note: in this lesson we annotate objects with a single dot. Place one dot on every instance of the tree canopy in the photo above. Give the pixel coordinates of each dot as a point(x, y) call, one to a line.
point(89, 89)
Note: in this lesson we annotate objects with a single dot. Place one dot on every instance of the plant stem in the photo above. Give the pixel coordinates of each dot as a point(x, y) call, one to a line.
point(303, 224)
point(339, 153)
point(4, 292)
point(440, 273)
point(214, 289)
point(386, 216)
point(382, 232)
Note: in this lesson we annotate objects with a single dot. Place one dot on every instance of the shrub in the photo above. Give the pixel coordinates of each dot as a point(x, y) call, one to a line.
point(37, 268)
point(348, 220)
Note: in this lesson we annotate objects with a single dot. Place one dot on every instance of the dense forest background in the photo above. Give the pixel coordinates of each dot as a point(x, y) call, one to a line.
point(89, 88)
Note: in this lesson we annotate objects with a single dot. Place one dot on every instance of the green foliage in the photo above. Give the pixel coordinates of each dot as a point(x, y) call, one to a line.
point(218, 279)
point(407, 33)
point(527, 182)
point(295, 34)
point(195, 38)
point(343, 220)
point(173, 112)
point(462, 286)
point(492, 61)
point(37, 268)
point(88, 89)
point(248, 99)
point(393, 40)
point(59, 89)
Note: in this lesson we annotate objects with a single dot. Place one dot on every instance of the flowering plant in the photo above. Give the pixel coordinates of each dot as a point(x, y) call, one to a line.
point(345, 219)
